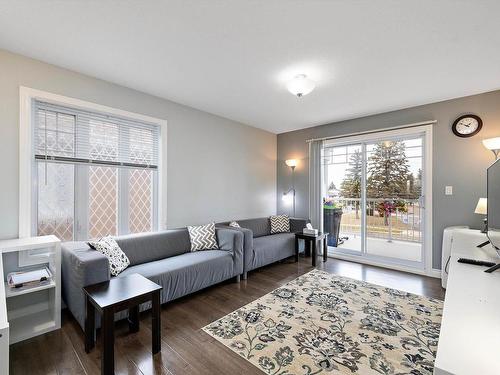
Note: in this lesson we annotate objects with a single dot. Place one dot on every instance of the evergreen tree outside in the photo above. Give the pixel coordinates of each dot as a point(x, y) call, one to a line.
point(351, 185)
point(416, 192)
point(388, 178)
point(388, 171)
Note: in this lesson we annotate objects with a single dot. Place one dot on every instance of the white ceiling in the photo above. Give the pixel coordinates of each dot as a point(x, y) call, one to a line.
point(233, 58)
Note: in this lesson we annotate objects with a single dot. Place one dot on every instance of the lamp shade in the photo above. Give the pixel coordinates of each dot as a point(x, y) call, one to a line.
point(287, 197)
point(492, 143)
point(300, 85)
point(291, 163)
point(481, 207)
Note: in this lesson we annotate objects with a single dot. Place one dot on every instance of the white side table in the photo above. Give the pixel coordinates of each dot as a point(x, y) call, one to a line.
point(34, 311)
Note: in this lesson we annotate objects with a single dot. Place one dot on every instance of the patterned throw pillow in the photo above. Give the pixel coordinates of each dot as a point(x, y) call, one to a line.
point(203, 237)
point(118, 260)
point(279, 224)
point(234, 224)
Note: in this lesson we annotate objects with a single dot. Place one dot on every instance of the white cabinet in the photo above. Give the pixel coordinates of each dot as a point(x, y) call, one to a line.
point(469, 340)
point(34, 311)
point(446, 252)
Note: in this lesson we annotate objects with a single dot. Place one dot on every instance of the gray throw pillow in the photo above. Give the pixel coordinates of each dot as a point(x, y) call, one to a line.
point(203, 237)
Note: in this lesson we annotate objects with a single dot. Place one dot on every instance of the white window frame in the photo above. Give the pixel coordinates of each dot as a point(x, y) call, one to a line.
point(27, 183)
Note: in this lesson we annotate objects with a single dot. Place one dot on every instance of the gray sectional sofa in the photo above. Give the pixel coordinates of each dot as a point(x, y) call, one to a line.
point(260, 246)
point(163, 257)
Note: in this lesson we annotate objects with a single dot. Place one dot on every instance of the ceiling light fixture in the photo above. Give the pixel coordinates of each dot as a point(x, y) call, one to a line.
point(300, 85)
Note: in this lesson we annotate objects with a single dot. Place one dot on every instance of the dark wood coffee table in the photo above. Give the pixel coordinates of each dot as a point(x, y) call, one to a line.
point(115, 295)
point(311, 242)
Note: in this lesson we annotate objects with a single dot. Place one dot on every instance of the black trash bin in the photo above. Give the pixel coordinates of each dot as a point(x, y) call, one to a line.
point(331, 224)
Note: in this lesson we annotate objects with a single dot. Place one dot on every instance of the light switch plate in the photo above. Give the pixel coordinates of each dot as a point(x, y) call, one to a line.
point(448, 190)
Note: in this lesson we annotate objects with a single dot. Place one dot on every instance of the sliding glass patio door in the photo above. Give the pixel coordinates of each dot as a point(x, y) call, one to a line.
point(374, 197)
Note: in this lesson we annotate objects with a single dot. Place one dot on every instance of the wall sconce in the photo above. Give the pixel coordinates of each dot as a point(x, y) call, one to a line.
point(493, 144)
point(289, 195)
point(292, 163)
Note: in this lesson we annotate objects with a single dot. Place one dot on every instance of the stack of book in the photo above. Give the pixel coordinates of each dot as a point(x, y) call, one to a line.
point(29, 279)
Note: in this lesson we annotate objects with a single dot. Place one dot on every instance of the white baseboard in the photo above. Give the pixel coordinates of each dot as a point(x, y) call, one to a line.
point(432, 273)
point(435, 272)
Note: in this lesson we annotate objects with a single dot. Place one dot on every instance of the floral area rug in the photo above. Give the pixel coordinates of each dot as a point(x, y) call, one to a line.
point(320, 323)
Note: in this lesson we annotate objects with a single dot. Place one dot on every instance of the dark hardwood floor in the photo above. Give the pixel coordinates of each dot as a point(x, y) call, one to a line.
point(186, 349)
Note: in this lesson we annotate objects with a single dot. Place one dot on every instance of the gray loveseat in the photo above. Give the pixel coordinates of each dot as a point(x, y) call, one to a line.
point(261, 247)
point(163, 257)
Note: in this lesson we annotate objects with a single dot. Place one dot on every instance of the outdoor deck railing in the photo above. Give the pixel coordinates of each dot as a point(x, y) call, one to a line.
point(398, 219)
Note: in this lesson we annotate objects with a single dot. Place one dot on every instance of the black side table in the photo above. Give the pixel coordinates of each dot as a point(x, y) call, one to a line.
point(115, 295)
point(312, 242)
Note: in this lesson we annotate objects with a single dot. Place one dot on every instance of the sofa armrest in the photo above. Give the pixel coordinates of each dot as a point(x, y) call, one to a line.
point(297, 224)
point(231, 240)
point(247, 244)
point(80, 266)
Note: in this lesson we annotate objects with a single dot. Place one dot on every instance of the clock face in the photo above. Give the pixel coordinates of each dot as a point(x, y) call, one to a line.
point(467, 126)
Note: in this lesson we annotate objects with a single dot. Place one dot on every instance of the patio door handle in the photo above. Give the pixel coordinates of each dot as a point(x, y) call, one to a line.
point(421, 201)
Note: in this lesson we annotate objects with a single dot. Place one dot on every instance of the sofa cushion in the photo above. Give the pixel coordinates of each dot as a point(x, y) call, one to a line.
point(279, 224)
point(186, 273)
point(260, 226)
point(203, 237)
point(118, 261)
point(146, 247)
point(269, 249)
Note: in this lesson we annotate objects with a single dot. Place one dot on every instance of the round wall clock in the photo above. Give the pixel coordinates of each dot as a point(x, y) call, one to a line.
point(467, 126)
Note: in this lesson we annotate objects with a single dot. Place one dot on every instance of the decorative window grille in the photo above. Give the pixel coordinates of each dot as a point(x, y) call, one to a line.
point(96, 174)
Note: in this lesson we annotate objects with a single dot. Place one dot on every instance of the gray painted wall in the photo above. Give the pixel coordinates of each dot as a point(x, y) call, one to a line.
point(458, 162)
point(217, 169)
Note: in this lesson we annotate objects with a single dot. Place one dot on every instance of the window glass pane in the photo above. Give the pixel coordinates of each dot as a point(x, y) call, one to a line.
point(56, 200)
point(103, 139)
point(55, 134)
point(141, 145)
point(412, 152)
point(413, 142)
point(340, 159)
point(140, 183)
point(339, 150)
point(103, 201)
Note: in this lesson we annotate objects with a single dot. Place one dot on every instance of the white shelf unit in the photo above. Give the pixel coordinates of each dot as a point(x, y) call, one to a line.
point(4, 327)
point(13, 293)
point(36, 310)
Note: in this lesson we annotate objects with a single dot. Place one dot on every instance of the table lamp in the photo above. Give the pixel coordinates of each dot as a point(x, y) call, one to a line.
point(481, 209)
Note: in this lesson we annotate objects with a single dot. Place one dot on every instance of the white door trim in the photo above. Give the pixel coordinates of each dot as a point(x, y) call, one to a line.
point(426, 131)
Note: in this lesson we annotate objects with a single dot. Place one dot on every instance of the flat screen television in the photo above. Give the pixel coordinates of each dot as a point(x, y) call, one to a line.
point(493, 206)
